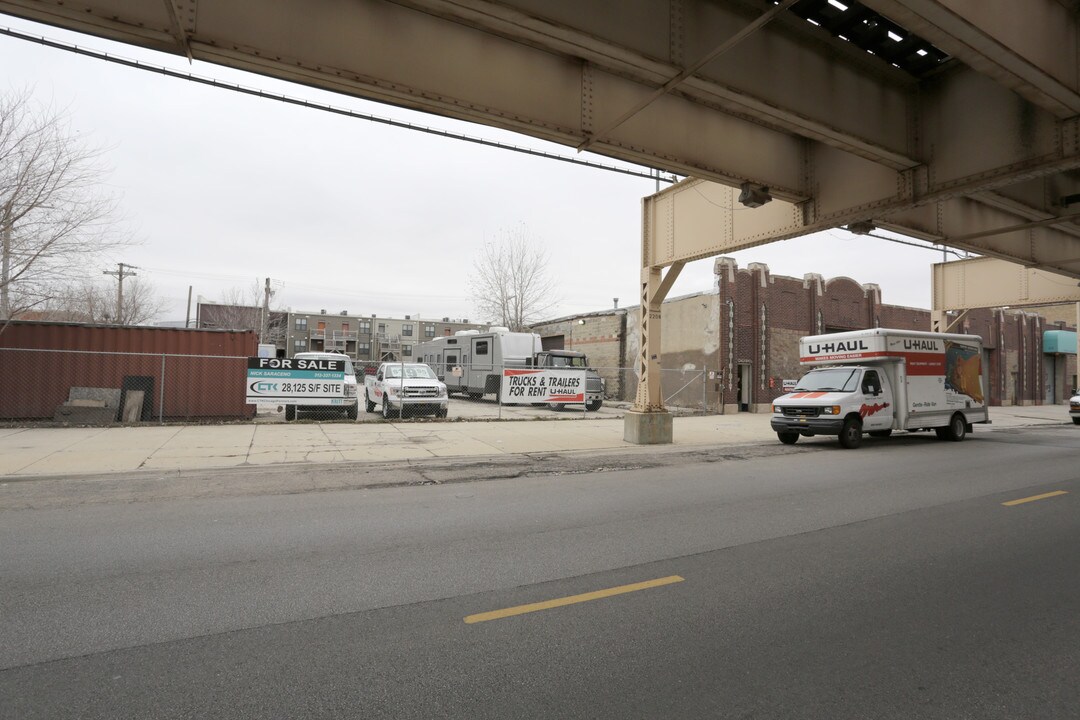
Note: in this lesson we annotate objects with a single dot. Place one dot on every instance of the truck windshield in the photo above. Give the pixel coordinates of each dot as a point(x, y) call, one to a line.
point(829, 379)
point(414, 372)
point(561, 361)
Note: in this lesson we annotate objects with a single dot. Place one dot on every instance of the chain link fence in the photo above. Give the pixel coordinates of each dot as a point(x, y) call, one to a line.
point(88, 387)
point(686, 390)
point(96, 388)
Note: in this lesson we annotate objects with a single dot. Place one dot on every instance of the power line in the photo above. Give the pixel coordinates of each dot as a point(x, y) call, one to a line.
point(650, 174)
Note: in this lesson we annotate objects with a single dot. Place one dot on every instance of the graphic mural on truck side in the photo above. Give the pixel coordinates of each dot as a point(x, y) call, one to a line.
point(963, 371)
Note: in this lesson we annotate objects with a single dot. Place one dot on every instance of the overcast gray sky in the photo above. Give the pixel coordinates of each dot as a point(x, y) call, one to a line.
point(344, 214)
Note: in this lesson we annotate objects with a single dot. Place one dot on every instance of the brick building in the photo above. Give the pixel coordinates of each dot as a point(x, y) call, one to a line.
point(731, 349)
point(365, 338)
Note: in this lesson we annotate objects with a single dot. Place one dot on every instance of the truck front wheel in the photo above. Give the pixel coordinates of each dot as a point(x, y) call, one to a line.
point(385, 409)
point(788, 438)
point(851, 434)
point(290, 412)
point(593, 405)
point(368, 405)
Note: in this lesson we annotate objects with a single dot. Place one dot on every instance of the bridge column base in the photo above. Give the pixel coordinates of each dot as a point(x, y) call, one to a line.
point(647, 428)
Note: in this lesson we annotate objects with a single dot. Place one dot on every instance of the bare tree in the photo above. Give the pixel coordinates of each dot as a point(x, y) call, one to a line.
point(54, 219)
point(510, 283)
point(94, 301)
point(242, 308)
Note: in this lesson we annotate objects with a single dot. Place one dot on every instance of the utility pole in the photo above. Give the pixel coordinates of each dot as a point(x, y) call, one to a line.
point(5, 271)
point(264, 326)
point(187, 317)
point(120, 274)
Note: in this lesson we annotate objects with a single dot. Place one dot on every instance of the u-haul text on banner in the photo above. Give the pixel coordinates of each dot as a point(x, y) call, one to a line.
point(522, 387)
point(315, 381)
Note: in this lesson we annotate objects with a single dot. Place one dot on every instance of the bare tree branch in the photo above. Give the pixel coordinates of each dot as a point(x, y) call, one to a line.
point(54, 219)
point(92, 301)
point(510, 283)
point(241, 309)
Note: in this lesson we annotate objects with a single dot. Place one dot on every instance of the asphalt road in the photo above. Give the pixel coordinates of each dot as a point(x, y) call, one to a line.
point(888, 582)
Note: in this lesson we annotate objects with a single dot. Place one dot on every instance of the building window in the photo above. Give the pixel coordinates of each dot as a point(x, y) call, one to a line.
point(365, 326)
point(406, 330)
point(301, 324)
point(363, 348)
point(406, 350)
point(429, 331)
point(382, 328)
point(299, 345)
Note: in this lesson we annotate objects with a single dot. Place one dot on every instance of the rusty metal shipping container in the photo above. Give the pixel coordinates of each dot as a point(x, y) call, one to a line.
point(184, 374)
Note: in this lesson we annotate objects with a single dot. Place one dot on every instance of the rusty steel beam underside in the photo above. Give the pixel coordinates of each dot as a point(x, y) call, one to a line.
point(963, 120)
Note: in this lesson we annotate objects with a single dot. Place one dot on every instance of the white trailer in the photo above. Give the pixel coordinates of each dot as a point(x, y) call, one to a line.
point(471, 362)
point(882, 380)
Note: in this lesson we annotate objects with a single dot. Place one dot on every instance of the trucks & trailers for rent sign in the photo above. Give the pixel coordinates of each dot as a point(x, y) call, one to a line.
point(289, 380)
point(523, 387)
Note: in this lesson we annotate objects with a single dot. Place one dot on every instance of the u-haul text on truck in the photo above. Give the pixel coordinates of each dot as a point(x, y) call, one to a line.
point(881, 380)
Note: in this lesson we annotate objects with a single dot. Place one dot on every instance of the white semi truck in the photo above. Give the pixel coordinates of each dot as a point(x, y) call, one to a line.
point(472, 362)
point(880, 380)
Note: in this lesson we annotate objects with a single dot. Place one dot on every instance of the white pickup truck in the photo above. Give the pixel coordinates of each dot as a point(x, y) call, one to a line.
point(405, 390)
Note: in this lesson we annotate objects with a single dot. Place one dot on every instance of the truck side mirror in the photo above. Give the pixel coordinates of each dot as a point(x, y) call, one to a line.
point(378, 376)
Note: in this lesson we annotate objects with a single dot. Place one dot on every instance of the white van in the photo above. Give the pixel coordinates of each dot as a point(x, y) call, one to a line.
point(349, 401)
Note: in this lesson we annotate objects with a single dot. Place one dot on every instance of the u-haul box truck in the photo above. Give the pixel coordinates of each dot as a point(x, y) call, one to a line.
point(881, 380)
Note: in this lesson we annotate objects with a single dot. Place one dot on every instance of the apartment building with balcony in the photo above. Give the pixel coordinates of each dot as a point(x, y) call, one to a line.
point(366, 338)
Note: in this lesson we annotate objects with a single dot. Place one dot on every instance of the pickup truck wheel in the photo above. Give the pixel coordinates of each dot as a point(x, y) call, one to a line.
point(957, 428)
point(1076, 421)
point(594, 405)
point(441, 412)
point(385, 409)
point(368, 405)
point(788, 438)
point(880, 433)
point(290, 412)
point(353, 410)
point(851, 434)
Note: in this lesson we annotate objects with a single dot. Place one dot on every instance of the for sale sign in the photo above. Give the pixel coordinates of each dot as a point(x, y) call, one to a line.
point(522, 387)
point(288, 380)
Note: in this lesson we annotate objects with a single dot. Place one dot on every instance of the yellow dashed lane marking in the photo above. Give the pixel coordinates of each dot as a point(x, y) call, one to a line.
point(1033, 498)
point(571, 600)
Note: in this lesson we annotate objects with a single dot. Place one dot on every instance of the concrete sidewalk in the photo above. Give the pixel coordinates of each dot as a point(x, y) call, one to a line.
point(31, 452)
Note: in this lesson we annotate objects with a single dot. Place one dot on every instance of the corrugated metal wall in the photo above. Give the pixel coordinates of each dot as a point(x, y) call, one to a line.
point(196, 374)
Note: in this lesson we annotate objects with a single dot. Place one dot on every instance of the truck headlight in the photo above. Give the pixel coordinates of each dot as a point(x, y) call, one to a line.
point(777, 409)
point(831, 410)
point(442, 391)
